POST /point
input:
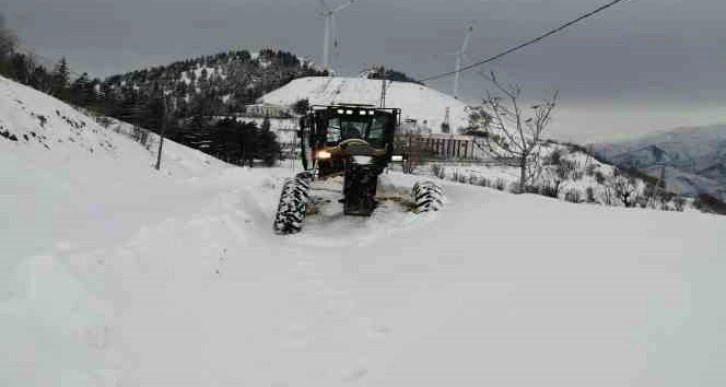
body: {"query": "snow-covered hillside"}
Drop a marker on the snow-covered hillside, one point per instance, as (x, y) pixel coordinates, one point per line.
(427, 106)
(695, 158)
(570, 173)
(114, 274)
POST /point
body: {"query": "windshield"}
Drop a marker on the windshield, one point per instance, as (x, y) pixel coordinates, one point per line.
(372, 129)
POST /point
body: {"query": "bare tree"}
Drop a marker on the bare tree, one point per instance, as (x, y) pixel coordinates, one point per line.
(508, 133)
(625, 188)
(608, 194)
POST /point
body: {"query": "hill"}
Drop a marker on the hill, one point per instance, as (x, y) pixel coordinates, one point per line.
(214, 85)
(694, 158)
(115, 274)
(417, 102)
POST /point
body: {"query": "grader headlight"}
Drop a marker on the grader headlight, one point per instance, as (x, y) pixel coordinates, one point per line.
(323, 155)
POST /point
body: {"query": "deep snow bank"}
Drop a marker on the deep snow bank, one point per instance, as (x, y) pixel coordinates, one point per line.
(69, 185)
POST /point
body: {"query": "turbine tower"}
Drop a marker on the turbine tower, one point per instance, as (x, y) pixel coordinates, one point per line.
(329, 14)
(460, 55)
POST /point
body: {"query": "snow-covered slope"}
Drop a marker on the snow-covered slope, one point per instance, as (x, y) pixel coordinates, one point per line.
(117, 275)
(426, 105)
(69, 185)
(696, 157)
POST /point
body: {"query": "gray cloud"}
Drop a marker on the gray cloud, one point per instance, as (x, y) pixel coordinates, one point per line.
(641, 51)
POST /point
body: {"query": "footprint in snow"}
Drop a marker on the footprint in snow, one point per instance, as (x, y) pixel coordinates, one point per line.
(356, 375)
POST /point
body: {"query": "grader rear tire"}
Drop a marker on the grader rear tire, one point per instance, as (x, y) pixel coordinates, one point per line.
(427, 196)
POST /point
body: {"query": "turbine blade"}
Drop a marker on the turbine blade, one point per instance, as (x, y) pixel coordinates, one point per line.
(342, 6)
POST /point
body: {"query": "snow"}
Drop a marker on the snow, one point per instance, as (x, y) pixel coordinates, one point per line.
(416, 101)
(114, 274)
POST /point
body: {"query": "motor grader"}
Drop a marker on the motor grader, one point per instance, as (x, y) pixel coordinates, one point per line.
(353, 141)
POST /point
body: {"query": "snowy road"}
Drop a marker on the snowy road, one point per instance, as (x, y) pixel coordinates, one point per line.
(496, 289)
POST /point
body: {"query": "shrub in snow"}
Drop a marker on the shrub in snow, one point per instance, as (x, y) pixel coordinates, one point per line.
(668, 201)
(555, 157)
(531, 189)
(599, 177)
(550, 189)
(455, 176)
(679, 203)
(625, 189)
(463, 179)
(500, 184)
(643, 201)
(608, 195)
(573, 195)
(141, 136)
(484, 182)
(568, 169)
(590, 195)
(438, 170)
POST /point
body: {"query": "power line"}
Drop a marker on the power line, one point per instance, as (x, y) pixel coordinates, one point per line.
(525, 44)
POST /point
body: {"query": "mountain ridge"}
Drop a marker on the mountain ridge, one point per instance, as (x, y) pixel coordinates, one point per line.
(695, 156)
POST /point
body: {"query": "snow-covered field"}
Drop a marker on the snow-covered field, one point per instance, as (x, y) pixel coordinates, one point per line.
(114, 274)
(426, 105)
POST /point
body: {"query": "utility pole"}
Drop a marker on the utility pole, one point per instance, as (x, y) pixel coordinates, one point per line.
(163, 130)
(383, 89)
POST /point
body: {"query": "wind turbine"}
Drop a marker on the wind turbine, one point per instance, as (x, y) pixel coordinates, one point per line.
(460, 56)
(329, 14)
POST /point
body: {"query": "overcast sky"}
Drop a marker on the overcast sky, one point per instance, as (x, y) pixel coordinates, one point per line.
(639, 66)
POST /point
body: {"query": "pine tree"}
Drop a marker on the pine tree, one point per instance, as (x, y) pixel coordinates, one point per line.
(248, 142)
(7, 48)
(301, 107)
(268, 149)
(81, 91)
(61, 80)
